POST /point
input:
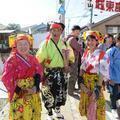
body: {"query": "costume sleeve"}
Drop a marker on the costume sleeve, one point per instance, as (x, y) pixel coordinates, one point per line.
(9, 74)
(39, 68)
(104, 66)
(42, 52)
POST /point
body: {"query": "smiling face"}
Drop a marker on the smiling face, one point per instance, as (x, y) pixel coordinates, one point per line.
(55, 33)
(91, 42)
(76, 33)
(23, 47)
(109, 41)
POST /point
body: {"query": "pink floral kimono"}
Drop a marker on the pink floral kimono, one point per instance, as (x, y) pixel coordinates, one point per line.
(93, 65)
(19, 72)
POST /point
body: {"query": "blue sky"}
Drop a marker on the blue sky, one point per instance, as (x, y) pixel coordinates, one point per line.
(29, 12)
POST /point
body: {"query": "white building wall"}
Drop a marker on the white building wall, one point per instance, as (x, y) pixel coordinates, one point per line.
(38, 38)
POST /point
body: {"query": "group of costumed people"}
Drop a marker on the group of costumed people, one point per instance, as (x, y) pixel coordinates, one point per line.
(23, 73)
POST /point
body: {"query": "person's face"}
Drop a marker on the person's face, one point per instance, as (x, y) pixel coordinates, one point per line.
(109, 41)
(76, 33)
(91, 43)
(23, 47)
(118, 43)
(56, 33)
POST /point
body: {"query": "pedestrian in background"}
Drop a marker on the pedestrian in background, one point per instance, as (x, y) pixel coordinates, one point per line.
(73, 40)
(94, 66)
(114, 71)
(21, 77)
(107, 43)
(52, 54)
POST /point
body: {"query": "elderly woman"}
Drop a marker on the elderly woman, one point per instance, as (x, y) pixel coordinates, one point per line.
(94, 66)
(21, 77)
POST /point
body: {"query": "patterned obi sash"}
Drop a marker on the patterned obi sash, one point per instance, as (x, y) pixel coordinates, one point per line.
(90, 80)
(25, 83)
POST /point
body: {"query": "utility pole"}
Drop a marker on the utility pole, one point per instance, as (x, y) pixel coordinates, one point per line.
(91, 14)
(61, 11)
(90, 6)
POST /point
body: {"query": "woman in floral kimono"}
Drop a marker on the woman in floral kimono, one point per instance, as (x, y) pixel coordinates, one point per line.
(94, 66)
(21, 77)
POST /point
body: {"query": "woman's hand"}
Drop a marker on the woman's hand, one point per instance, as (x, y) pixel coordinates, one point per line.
(31, 90)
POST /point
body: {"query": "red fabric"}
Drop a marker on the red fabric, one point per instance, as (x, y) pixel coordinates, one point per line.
(102, 53)
(55, 25)
(16, 69)
(90, 67)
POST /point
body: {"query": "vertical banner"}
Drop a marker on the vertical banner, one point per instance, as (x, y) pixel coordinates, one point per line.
(107, 5)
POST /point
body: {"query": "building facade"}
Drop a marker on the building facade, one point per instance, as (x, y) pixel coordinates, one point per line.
(109, 25)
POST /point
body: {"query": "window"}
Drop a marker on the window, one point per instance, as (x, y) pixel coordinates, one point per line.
(113, 29)
(119, 29)
(109, 29)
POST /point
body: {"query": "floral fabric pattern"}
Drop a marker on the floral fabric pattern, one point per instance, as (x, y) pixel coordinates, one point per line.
(90, 81)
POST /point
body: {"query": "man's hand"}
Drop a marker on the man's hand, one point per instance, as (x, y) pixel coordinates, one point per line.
(67, 69)
(31, 90)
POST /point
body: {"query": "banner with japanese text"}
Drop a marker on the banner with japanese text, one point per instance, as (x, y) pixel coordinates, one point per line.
(107, 5)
